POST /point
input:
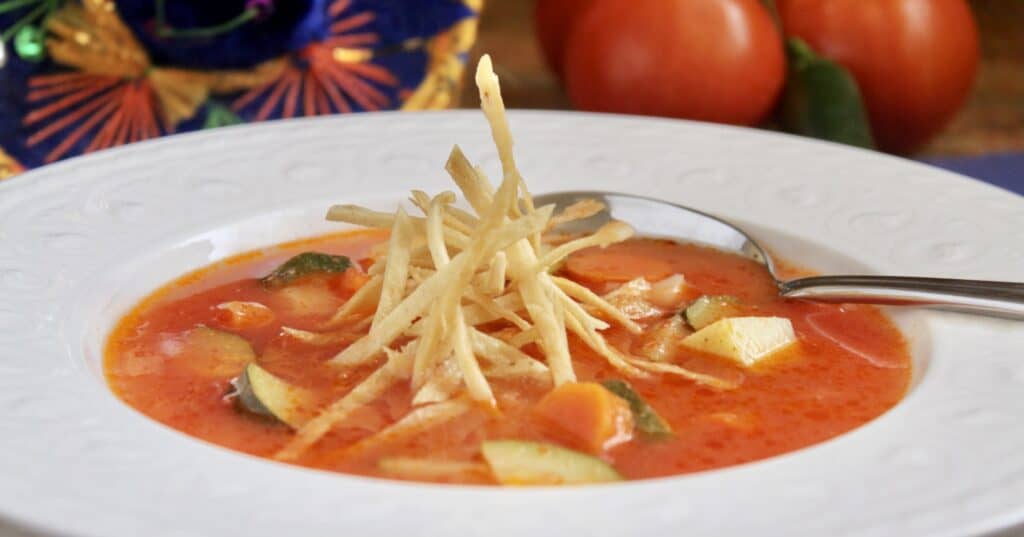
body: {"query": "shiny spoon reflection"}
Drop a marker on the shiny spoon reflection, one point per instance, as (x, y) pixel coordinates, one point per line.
(651, 217)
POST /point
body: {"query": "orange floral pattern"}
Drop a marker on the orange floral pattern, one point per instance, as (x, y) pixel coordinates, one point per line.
(328, 76)
(111, 93)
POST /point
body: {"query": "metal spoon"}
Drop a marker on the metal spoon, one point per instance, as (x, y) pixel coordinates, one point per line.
(657, 218)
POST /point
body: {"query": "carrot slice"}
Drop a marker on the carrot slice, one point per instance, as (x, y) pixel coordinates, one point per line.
(616, 263)
(587, 416)
(243, 315)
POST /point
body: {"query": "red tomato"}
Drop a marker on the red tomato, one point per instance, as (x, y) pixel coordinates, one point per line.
(553, 20)
(914, 60)
(712, 60)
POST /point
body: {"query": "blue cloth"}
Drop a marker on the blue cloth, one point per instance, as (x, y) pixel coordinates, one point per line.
(1003, 170)
(327, 56)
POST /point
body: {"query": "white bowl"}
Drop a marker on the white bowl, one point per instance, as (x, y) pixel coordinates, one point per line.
(82, 241)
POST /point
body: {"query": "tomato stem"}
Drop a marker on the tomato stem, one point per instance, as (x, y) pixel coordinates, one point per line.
(799, 52)
(773, 10)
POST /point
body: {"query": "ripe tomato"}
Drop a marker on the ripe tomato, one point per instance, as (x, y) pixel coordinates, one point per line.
(914, 60)
(712, 60)
(553, 20)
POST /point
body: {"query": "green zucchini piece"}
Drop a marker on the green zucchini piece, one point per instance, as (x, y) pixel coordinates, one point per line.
(710, 308)
(215, 353)
(516, 462)
(260, 392)
(304, 264)
(646, 418)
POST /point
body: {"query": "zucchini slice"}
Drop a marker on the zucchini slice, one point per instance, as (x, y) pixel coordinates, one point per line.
(646, 419)
(710, 308)
(304, 264)
(215, 353)
(260, 392)
(516, 462)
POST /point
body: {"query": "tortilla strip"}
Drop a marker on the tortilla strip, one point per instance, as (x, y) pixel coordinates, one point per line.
(397, 367)
(414, 422)
(396, 271)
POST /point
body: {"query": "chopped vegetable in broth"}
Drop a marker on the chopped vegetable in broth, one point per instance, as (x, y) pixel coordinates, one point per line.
(806, 394)
(485, 346)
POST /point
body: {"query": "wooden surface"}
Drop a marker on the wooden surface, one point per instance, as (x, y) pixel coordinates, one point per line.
(992, 121)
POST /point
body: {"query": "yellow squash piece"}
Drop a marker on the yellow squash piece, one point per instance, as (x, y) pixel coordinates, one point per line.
(710, 308)
(745, 340)
(308, 298)
(516, 462)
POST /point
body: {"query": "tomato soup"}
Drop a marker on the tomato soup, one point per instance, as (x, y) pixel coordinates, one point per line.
(178, 355)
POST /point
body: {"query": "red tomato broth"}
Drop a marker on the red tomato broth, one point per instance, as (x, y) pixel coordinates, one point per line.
(815, 390)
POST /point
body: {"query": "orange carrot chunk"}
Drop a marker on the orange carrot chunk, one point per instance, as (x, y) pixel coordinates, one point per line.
(616, 263)
(241, 315)
(587, 416)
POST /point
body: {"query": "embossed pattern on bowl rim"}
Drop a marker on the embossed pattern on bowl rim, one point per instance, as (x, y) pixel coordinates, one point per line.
(75, 460)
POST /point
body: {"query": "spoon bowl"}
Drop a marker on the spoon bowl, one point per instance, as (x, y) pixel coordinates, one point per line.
(655, 218)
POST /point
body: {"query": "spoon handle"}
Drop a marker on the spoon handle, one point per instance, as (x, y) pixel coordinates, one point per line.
(997, 299)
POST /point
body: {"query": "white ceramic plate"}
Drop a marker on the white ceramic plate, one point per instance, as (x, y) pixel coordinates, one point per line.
(81, 241)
